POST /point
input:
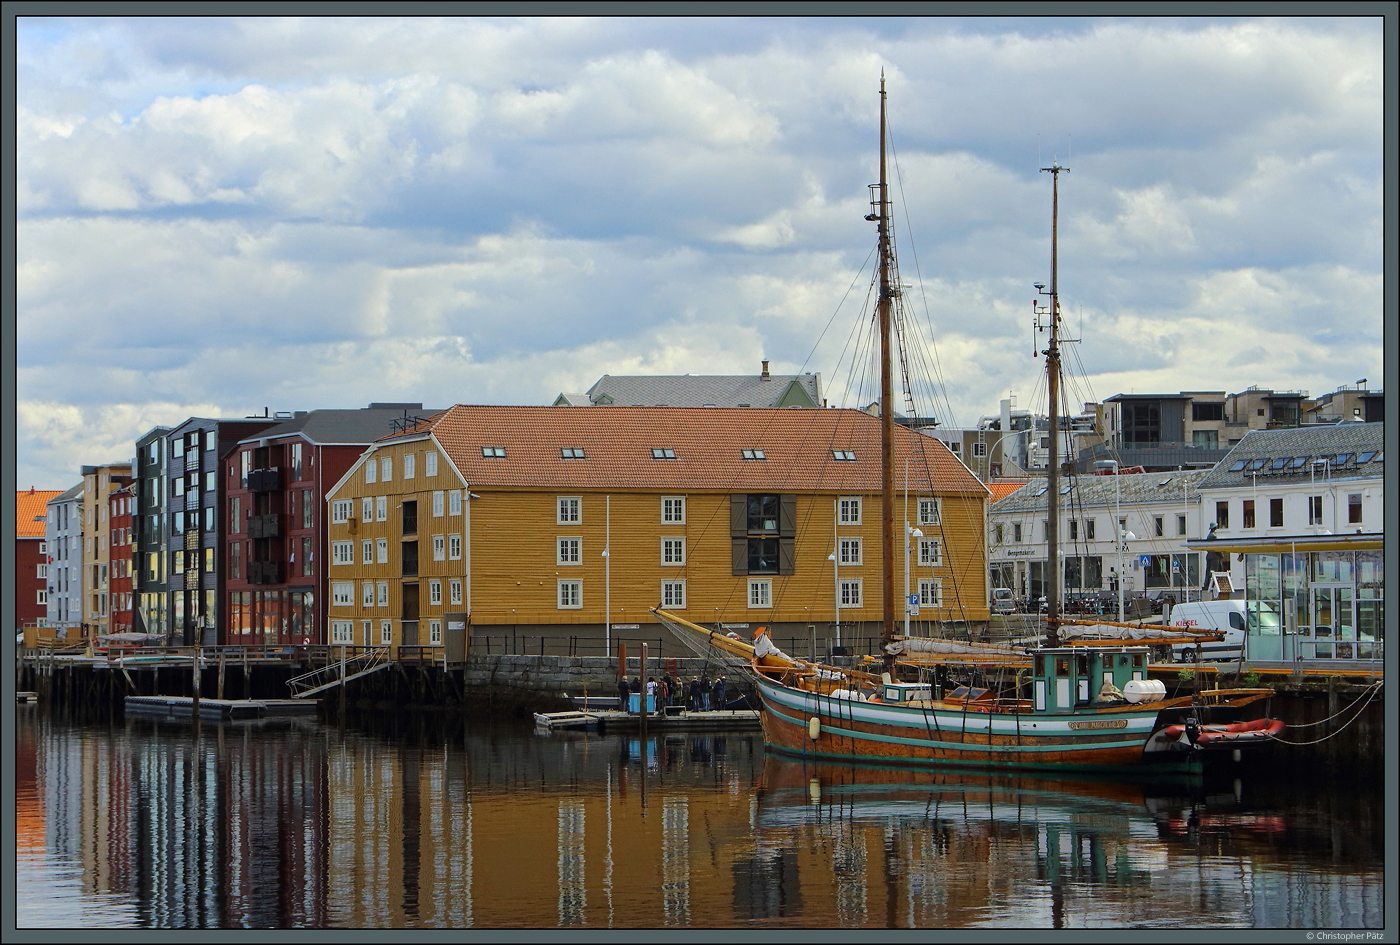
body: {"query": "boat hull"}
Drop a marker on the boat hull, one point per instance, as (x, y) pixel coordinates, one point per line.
(915, 735)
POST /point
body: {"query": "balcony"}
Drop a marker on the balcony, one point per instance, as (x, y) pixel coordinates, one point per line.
(265, 526)
(265, 480)
(265, 572)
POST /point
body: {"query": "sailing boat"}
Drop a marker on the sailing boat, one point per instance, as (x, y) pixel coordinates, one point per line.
(1078, 707)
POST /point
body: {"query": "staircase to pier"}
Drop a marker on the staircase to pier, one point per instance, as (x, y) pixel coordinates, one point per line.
(338, 673)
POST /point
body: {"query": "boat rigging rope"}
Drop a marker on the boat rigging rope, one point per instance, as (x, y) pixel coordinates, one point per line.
(1370, 693)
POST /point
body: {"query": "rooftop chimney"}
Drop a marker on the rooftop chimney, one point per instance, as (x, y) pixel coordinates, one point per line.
(764, 375)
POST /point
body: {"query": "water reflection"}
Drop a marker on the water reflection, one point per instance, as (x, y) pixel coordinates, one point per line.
(388, 823)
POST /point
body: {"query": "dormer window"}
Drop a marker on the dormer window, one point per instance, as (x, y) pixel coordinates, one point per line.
(752, 454)
(661, 452)
(571, 452)
(844, 456)
(493, 452)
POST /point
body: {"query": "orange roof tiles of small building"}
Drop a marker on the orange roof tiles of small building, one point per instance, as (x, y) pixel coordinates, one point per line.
(707, 442)
(1004, 487)
(31, 511)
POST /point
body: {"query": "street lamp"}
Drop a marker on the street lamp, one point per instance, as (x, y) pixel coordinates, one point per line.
(836, 592)
(1121, 536)
(1124, 536)
(909, 534)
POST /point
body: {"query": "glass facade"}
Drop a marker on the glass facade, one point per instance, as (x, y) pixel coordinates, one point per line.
(1332, 602)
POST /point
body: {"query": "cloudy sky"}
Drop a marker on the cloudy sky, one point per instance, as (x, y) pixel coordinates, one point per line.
(217, 215)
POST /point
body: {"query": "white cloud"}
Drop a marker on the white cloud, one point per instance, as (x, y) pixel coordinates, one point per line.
(330, 211)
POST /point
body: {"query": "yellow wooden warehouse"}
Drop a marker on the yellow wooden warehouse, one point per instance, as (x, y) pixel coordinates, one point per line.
(564, 525)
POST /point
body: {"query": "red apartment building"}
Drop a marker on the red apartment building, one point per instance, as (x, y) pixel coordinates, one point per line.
(275, 503)
(32, 557)
(120, 505)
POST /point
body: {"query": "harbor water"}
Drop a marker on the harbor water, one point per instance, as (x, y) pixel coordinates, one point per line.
(387, 822)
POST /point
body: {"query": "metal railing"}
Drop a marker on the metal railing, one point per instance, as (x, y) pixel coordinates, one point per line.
(335, 673)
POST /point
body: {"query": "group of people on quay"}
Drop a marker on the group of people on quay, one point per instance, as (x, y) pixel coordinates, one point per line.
(699, 695)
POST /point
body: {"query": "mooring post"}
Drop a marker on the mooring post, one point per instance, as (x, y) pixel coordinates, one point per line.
(221, 674)
(641, 678)
(194, 663)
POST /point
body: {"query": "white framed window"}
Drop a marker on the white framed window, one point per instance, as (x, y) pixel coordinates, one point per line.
(673, 510)
(381, 547)
(367, 509)
(930, 511)
(844, 456)
(340, 510)
(430, 463)
(41, 571)
(439, 548)
(381, 508)
(454, 502)
(342, 631)
(979, 450)
(41, 597)
(454, 547)
(930, 592)
(437, 504)
(367, 594)
(662, 452)
(382, 592)
(343, 593)
(673, 595)
(408, 465)
(569, 551)
(849, 510)
(850, 551)
(454, 590)
(435, 592)
(760, 592)
(435, 633)
(386, 632)
(366, 551)
(850, 592)
(386, 469)
(570, 510)
(570, 595)
(342, 552)
(371, 467)
(493, 452)
(673, 551)
(930, 551)
(366, 627)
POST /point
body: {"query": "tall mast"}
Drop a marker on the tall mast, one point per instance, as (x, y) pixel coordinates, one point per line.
(886, 394)
(1052, 370)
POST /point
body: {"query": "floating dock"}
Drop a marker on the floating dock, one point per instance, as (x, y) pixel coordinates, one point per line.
(183, 707)
(614, 720)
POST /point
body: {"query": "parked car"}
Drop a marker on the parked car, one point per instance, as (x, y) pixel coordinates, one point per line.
(1002, 601)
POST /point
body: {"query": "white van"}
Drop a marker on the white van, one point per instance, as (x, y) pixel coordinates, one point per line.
(1002, 601)
(1226, 617)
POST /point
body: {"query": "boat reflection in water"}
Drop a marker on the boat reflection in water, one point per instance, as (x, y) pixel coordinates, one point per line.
(930, 848)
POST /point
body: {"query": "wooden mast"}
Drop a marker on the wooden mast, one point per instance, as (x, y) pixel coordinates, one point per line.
(882, 215)
(1052, 370)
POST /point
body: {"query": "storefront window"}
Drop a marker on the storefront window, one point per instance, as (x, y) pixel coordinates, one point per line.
(1332, 566)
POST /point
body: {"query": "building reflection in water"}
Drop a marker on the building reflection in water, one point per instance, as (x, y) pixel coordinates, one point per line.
(298, 824)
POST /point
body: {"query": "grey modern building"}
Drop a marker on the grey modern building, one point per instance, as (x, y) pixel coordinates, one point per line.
(63, 537)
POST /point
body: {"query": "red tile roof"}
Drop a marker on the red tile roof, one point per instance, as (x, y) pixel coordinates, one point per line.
(617, 443)
(31, 511)
(1004, 487)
